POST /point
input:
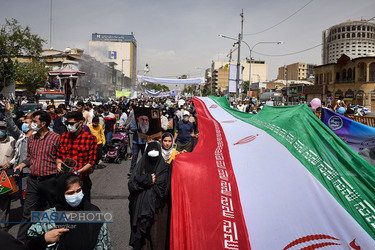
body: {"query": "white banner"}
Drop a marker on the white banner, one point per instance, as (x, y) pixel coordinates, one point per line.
(170, 81)
(233, 78)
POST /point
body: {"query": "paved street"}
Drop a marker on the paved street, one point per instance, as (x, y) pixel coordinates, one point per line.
(109, 193)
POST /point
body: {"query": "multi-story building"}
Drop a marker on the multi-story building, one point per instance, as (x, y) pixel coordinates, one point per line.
(120, 51)
(220, 73)
(296, 71)
(353, 38)
(353, 79)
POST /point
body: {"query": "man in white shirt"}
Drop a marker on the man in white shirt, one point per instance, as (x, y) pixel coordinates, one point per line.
(123, 117)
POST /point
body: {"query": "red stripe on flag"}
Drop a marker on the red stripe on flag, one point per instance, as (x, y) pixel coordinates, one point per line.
(206, 208)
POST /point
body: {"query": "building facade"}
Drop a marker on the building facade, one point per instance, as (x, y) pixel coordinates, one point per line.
(99, 79)
(353, 38)
(220, 73)
(351, 79)
(296, 71)
(120, 51)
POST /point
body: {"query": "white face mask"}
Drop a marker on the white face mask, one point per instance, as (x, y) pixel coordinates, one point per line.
(153, 153)
(72, 128)
(34, 127)
(74, 199)
(186, 118)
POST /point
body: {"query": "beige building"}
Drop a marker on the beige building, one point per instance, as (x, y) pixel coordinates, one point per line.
(296, 71)
(118, 50)
(353, 38)
(351, 79)
(220, 73)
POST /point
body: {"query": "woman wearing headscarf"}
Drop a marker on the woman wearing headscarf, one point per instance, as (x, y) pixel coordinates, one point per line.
(149, 192)
(70, 236)
(167, 150)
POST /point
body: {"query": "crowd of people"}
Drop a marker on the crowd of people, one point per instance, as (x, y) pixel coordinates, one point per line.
(37, 146)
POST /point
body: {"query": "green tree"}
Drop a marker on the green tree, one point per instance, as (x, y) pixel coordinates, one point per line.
(245, 86)
(157, 87)
(33, 75)
(191, 89)
(206, 91)
(16, 41)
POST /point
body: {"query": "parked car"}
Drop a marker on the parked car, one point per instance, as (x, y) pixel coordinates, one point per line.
(362, 110)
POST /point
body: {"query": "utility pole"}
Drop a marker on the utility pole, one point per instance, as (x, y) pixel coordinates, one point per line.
(239, 56)
(50, 27)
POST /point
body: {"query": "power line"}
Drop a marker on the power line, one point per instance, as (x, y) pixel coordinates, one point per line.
(289, 54)
(280, 21)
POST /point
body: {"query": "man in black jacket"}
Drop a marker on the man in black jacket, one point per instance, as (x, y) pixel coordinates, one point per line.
(59, 122)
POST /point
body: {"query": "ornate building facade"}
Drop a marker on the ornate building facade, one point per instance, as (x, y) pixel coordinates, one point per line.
(351, 79)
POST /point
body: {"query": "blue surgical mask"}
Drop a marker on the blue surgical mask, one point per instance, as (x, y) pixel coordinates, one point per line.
(25, 127)
(2, 133)
(74, 199)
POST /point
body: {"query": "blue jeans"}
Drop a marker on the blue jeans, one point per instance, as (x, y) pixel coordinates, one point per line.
(135, 152)
(108, 137)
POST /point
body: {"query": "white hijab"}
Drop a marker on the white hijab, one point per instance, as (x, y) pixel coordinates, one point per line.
(166, 153)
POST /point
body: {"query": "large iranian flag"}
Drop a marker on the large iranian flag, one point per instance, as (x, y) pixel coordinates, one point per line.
(276, 180)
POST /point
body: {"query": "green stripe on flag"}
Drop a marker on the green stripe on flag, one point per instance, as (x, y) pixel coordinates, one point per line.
(344, 173)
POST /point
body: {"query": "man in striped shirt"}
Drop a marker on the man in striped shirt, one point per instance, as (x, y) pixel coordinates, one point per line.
(41, 160)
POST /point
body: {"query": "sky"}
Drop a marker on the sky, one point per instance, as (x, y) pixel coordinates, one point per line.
(181, 37)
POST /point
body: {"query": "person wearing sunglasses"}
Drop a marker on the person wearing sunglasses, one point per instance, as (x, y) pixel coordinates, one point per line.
(80, 146)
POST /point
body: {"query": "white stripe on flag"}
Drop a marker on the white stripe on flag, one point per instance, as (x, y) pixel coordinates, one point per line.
(282, 201)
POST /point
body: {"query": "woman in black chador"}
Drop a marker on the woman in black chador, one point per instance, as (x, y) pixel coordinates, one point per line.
(148, 208)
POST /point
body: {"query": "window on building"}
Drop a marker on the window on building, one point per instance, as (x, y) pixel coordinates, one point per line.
(363, 35)
(358, 27)
(353, 27)
(353, 34)
(339, 29)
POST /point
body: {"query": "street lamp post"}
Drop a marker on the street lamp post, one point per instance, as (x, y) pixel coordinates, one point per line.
(250, 50)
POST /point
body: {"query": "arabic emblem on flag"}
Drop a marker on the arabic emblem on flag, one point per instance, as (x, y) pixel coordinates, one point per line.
(246, 139)
(213, 106)
(335, 122)
(230, 121)
(313, 241)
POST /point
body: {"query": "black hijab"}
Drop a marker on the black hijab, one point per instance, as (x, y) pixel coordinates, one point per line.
(145, 198)
(84, 235)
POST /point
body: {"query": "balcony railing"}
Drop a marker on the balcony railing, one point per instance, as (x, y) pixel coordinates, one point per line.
(344, 81)
(361, 79)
